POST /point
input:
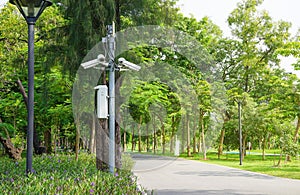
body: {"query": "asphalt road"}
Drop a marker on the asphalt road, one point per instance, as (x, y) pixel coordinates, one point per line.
(165, 175)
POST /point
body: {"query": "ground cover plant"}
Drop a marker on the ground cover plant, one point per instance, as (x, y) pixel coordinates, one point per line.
(62, 174)
(253, 162)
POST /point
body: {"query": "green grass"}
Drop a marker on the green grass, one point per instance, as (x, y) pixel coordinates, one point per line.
(61, 174)
(254, 162)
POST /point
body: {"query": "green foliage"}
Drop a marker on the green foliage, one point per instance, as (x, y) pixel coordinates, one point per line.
(285, 141)
(86, 26)
(147, 94)
(61, 174)
(6, 129)
(148, 12)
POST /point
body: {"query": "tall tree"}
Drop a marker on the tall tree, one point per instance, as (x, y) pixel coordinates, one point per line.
(252, 51)
(13, 45)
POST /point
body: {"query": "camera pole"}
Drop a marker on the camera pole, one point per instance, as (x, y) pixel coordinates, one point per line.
(111, 93)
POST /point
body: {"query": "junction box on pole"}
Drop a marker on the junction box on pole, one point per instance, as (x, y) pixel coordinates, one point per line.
(102, 101)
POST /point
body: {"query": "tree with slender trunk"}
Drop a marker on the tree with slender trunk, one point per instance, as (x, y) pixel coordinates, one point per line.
(188, 140)
(139, 134)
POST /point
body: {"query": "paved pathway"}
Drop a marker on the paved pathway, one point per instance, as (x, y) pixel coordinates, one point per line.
(165, 175)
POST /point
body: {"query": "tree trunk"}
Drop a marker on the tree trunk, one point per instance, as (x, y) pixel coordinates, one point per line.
(139, 134)
(47, 139)
(172, 143)
(118, 15)
(22, 91)
(54, 143)
(102, 144)
(132, 140)
(199, 142)
(182, 138)
(194, 144)
(246, 79)
(264, 149)
(92, 136)
(77, 140)
(188, 135)
(154, 136)
(296, 136)
(147, 138)
(10, 149)
(244, 146)
(220, 149)
(124, 141)
(280, 157)
(124, 136)
(118, 148)
(163, 138)
(118, 152)
(172, 135)
(36, 142)
(203, 141)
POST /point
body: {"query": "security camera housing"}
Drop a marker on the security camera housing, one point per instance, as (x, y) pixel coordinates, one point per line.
(129, 65)
(92, 63)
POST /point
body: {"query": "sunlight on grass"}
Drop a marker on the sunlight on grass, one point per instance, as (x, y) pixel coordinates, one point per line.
(254, 162)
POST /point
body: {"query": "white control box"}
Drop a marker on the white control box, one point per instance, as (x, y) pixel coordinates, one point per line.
(102, 101)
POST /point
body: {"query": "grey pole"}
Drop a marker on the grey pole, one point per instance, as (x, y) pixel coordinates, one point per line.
(30, 114)
(240, 131)
(31, 16)
(111, 45)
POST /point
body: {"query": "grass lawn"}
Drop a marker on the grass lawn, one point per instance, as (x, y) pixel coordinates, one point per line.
(254, 162)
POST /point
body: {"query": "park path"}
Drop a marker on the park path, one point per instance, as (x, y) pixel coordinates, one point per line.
(166, 175)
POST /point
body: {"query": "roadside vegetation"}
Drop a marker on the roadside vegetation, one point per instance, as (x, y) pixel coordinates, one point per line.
(62, 174)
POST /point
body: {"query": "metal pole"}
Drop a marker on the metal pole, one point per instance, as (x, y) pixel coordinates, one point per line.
(240, 131)
(111, 44)
(30, 114)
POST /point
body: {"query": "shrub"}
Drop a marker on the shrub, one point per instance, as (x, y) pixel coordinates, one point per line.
(61, 174)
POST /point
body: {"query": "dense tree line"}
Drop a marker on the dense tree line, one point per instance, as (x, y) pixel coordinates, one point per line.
(154, 117)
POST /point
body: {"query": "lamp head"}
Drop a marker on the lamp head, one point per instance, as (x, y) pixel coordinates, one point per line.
(31, 8)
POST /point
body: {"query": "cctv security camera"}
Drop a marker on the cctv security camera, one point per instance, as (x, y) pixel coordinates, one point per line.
(129, 65)
(121, 60)
(101, 58)
(92, 63)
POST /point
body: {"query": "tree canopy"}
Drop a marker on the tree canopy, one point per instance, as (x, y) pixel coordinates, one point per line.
(248, 65)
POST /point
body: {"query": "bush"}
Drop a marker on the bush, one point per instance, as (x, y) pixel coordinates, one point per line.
(61, 174)
(127, 162)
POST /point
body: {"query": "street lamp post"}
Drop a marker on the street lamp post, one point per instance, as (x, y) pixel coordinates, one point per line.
(240, 132)
(31, 10)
